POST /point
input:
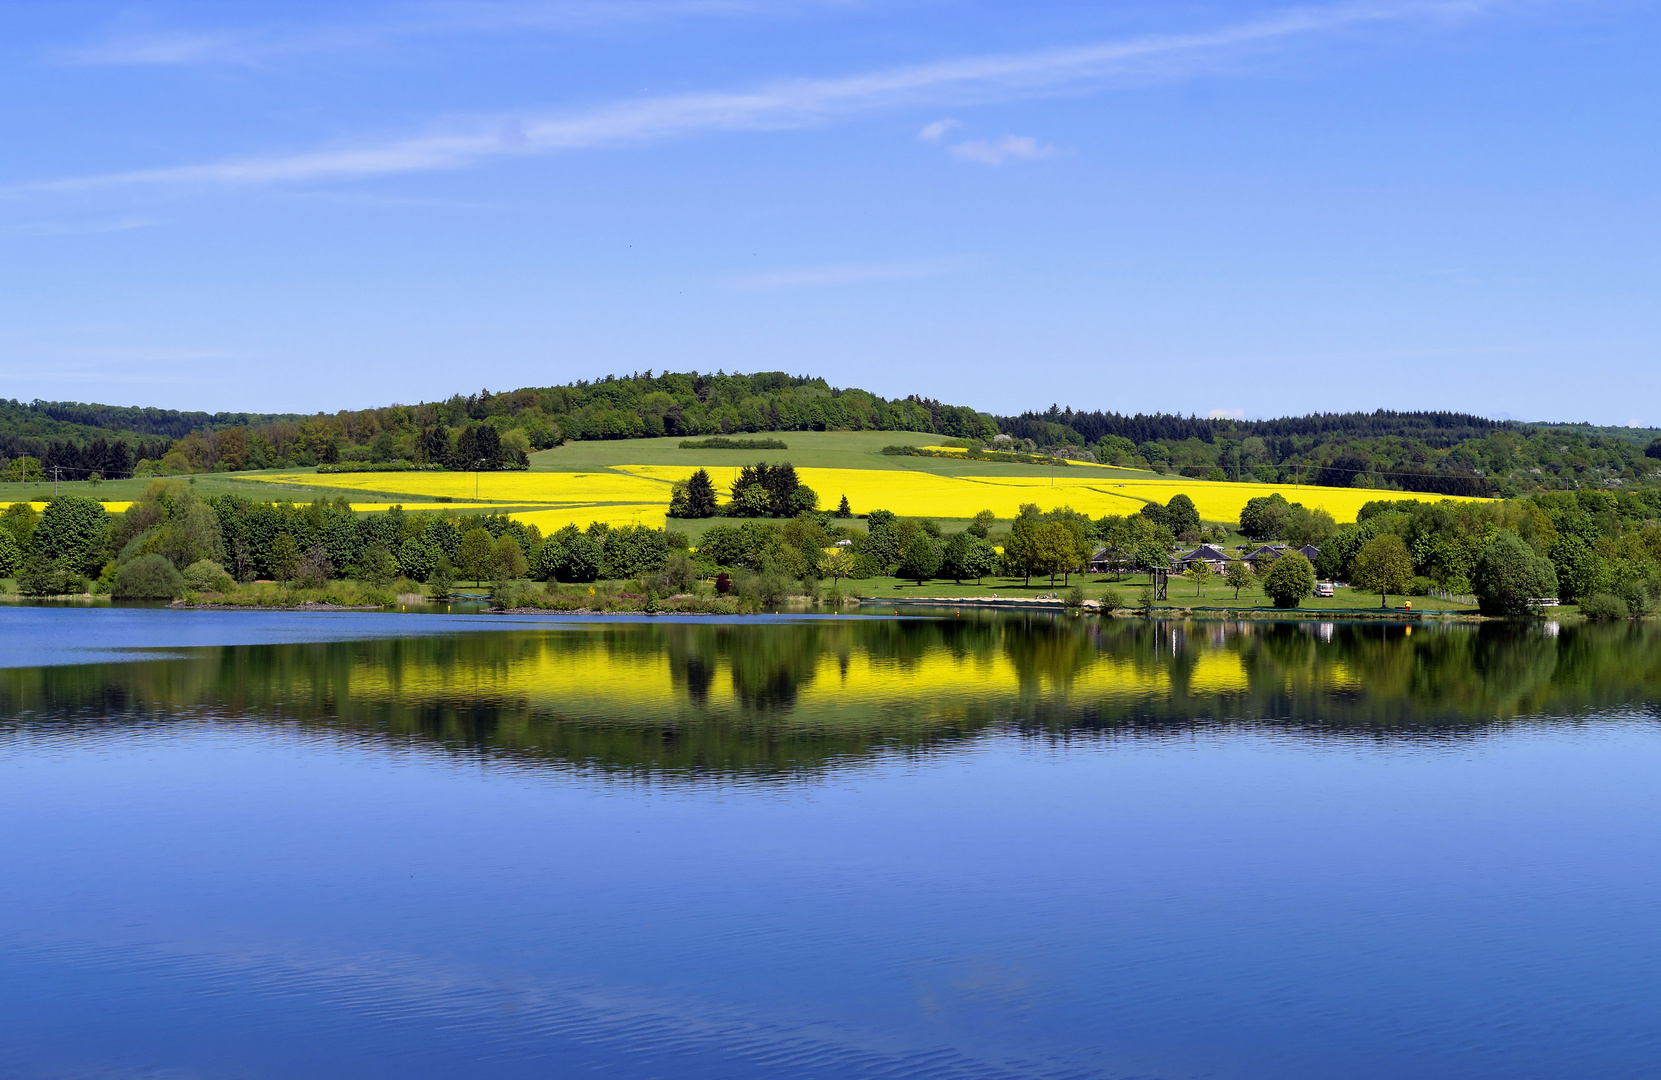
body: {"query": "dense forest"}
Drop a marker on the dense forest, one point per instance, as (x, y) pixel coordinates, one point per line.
(1436, 452)
(1433, 452)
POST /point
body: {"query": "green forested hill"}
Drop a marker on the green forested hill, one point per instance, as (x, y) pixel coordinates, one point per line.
(1436, 452)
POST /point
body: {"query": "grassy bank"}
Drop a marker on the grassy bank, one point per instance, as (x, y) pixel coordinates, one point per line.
(1182, 593)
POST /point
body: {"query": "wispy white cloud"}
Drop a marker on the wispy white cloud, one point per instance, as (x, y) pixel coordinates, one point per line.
(996, 151)
(796, 103)
(1226, 414)
(808, 277)
(938, 130)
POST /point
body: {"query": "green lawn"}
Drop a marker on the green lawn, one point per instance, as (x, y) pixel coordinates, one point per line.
(251, 484)
(1181, 592)
(807, 450)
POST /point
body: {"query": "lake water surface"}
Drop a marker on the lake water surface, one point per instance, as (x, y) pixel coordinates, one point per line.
(242, 844)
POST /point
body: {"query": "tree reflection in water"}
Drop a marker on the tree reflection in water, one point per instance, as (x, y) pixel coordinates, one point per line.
(767, 700)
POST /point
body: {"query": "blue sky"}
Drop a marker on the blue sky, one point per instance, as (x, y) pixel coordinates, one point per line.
(1247, 208)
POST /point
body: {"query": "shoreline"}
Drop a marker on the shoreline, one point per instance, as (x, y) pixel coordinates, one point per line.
(1093, 607)
(875, 606)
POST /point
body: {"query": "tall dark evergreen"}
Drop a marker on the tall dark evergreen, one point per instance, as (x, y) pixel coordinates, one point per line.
(700, 495)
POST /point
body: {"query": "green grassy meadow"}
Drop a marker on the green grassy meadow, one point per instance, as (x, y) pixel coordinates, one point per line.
(1182, 593)
(808, 450)
(249, 484)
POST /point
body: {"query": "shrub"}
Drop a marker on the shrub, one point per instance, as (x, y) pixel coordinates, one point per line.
(315, 570)
(377, 566)
(765, 589)
(677, 575)
(205, 575)
(1289, 580)
(1509, 574)
(571, 556)
(771, 587)
(719, 442)
(723, 583)
(42, 576)
(1602, 606)
(863, 567)
(1636, 584)
(149, 577)
(1111, 601)
(1420, 586)
(441, 579)
(1075, 597)
(633, 551)
(514, 594)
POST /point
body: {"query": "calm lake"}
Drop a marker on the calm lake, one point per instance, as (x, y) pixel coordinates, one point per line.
(245, 844)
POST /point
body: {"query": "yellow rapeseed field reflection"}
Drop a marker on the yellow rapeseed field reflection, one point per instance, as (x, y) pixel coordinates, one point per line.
(589, 678)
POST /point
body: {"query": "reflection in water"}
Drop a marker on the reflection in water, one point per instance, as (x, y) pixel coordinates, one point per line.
(1170, 849)
(694, 697)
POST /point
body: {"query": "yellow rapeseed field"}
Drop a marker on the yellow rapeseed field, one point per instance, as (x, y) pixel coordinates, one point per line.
(503, 487)
(112, 507)
(640, 493)
(932, 495)
(548, 500)
(615, 514)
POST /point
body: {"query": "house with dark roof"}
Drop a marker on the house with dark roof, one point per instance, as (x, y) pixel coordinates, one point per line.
(1268, 553)
(1213, 557)
(1110, 560)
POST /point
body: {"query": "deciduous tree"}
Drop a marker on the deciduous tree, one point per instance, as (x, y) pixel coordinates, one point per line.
(1237, 577)
(1509, 574)
(1289, 580)
(75, 530)
(1383, 566)
(476, 558)
(921, 560)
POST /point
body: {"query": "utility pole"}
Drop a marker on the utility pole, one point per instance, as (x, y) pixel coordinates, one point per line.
(56, 471)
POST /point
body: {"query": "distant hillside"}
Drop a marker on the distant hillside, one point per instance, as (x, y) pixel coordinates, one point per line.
(1640, 436)
(64, 432)
(1436, 452)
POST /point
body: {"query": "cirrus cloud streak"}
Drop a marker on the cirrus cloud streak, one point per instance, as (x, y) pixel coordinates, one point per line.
(793, 104)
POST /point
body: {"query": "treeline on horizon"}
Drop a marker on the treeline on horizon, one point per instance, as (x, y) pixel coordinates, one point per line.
(1442, 453)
